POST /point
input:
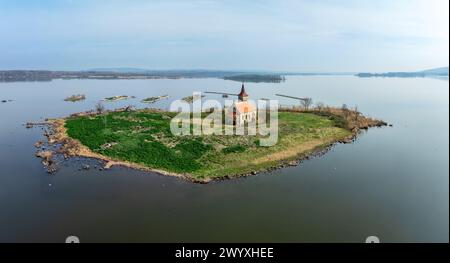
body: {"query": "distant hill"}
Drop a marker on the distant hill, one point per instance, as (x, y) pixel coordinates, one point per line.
(436, 72)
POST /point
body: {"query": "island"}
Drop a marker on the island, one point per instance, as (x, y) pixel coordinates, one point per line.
(154, 99)
(75, 98)
(257, 78)
(141, 139)
(118, 97)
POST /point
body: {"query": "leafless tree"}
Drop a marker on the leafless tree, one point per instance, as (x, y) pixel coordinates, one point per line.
(357, 113)
(320, 106)
(99, 107)
(306, 103)
(345, 110)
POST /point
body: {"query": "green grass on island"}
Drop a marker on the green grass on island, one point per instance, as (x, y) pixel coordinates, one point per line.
(144, 137)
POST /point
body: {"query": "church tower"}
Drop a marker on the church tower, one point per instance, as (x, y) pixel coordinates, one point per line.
(243, 96)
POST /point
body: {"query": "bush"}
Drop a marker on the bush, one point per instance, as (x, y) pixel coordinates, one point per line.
(234, 149)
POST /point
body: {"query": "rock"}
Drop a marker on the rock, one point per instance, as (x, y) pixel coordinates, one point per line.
(44, 154)
(293, 163)
(86, 167)
(39, 144)
(349, 139)
(107, 145)
(52, 169)
(47, 158)
(108, 165)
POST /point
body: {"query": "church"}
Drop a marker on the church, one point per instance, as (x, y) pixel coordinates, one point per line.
(242, 111)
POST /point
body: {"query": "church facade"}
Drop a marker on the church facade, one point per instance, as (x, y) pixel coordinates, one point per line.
(242, 111)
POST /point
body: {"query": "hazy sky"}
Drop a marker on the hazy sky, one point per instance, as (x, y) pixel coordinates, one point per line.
(309, 35)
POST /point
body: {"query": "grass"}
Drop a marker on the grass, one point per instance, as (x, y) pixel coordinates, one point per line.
(144, 137)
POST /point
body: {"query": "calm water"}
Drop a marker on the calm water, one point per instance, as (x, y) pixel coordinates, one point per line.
(392, 182)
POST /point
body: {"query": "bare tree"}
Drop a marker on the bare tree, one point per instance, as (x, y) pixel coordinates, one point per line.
(320, 106)
(99, 107)
(357, 113)
(345, 110)
(306, 103)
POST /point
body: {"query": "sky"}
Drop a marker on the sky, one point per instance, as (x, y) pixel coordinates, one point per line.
(271, 35)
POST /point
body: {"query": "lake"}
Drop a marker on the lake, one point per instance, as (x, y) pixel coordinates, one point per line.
(393, 182)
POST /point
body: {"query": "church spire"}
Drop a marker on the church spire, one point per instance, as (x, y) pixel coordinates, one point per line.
(243, 96)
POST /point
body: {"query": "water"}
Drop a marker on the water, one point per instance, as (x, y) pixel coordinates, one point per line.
(391, 183)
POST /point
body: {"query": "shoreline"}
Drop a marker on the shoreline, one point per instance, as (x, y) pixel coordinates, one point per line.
(68, 147)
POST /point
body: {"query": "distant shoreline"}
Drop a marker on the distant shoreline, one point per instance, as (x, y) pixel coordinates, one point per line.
(239, 76)
(437, 72)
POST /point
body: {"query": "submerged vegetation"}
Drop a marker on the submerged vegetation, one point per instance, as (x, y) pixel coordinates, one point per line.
(154, 99)
(117, 98)
(74, 98)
